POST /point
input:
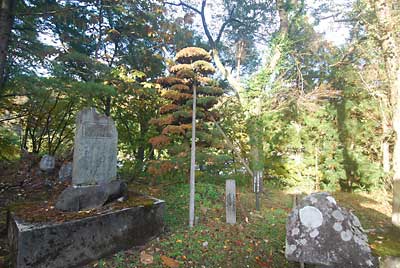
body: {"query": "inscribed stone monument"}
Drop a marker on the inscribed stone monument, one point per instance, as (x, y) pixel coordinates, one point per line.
(77, 241)
(94, 169)
(95, 149)
(320, 232)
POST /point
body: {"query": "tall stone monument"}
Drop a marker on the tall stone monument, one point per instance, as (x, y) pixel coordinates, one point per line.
(95, 149)
(94, 164)
(87, 236)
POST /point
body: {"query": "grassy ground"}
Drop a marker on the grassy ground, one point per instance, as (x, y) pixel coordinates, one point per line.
(257, 240)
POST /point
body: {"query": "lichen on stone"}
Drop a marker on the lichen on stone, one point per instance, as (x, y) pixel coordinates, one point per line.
(314, 233)
(331, 200)
(338, 226)
(338, 215)
(346, 235)
(311, 217)
(295, 231)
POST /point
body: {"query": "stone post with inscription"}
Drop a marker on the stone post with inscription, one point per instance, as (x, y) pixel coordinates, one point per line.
(94, 170)
(95, 149)
(230, 193)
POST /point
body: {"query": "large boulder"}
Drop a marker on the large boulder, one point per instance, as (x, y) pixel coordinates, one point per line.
(320, 232)
(77, 198)
(47, 163)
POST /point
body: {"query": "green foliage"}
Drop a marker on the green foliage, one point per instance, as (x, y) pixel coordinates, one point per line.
(67, 55)
(89, 53)
(9, 142)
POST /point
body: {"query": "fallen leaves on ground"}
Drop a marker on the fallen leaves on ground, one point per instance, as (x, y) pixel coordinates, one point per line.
(169, 262)
(146, 258)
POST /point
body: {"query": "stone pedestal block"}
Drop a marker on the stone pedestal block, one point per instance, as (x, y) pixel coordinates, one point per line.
(78, 242)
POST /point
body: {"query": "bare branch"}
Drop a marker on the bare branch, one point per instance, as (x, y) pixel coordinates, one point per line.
(14, 95)
(52, 12)
(205, 26)
(226, 23)
(232, 147)
(182, 4)
(343, 61)
(12, 118)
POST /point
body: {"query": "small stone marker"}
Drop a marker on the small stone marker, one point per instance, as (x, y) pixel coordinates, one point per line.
(257, 187)
(230, 192)
(47, 163)
(65, 172)
(320, 232)
(95, 149)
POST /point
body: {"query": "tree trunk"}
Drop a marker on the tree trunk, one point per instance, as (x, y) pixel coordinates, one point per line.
(255, 130)
(395, 97)
(385, 156)
(317, 178)
(386, 129)
(234, 149)
(350, 164)
(257, 157)
(7, 9)
(386, 13)
(107, 106)
(24, 139)
(192, 162)
(395, 92)
(385, 146)
(235, 85)
(140, 152)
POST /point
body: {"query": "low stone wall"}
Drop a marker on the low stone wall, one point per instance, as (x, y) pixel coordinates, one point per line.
(77, 242)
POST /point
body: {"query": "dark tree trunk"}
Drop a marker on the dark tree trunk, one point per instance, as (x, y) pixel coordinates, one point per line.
(7, 9)
(350, 165)
(144, 127)
(107, 107)
(140, 152)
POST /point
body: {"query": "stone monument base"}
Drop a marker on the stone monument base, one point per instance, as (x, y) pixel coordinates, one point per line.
(74, 243)
(78, 198)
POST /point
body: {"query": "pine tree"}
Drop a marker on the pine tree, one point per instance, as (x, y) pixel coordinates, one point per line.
(190, 94)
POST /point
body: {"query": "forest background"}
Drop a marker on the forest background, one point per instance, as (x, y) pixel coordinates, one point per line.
(294, 109)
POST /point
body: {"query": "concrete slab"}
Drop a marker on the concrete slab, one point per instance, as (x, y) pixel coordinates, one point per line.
(77, 242)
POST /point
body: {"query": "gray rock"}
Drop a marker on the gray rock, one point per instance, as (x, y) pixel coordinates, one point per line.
(65, 172)
(115, 190)
(320, 232)
(81, 198)
(47, 163)
(95, 149)
(77, 198)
